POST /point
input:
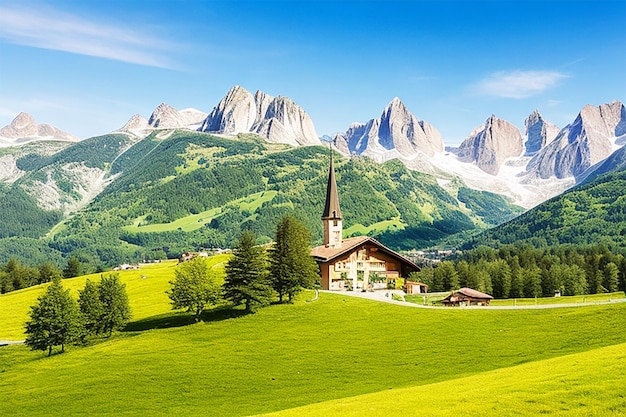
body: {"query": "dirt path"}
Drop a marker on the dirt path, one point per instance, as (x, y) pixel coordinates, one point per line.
(10, 342)
(383, 297)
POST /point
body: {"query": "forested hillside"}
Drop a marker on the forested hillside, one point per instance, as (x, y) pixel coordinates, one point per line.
(193, 190)
(591, 213)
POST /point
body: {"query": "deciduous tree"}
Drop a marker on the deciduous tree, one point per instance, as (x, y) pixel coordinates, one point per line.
(91, 308)
(115, 308)
(194, 287)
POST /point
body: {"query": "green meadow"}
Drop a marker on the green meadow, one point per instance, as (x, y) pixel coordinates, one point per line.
(582, 384)
(338, 355)
(197, 221)
(373, 229)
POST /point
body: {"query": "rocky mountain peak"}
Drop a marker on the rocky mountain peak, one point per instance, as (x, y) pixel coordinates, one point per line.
(278, 119)
(24, 121)
(136, 122)
(164, 116)
(397, 131)
(488, 147)
(24, 129)
(539, 132)
(591, 138)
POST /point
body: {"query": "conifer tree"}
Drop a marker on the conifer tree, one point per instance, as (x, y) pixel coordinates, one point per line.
(115, 308)
(291, 265)
(53, 320)
(47, 272)
(91, 308)
(73, 268)
(446, 276)
(194, 287)
(247, 280)
(611, 274)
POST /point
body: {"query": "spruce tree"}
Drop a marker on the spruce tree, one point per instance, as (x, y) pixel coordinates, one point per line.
(611, 274)
(247, 281)
(291, 265)
(115, 308)
(73, 268)
(54, 320)
(446, 276)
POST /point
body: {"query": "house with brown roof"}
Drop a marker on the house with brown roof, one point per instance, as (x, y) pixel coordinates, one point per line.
(467, 297)
(356, 263)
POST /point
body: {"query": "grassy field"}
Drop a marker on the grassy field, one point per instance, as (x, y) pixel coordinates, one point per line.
(335, 349)
(145, 287)
(197, 221)
(583, 384)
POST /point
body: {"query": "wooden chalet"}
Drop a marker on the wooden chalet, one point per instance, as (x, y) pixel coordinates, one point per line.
(356, 263)
(413, 287)
(467, 297)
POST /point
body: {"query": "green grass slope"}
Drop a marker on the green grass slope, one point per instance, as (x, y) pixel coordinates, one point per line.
(591, 213)
(145, 287)
(284, 356)
(583, 384)
(194, 190)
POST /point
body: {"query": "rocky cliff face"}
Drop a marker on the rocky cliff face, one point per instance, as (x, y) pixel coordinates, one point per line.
(539, 133)
(596, 133)
(278, 119)
(24, 129)
(490, 145)
(167, 117)
(397, 132)
(137, 122)
(164, 117)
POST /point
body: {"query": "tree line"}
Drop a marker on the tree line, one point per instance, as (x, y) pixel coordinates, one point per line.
(515, 271)
(254, 274)
(57, 319)
(14, 275)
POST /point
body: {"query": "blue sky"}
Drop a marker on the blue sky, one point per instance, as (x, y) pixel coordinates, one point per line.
(88, 66)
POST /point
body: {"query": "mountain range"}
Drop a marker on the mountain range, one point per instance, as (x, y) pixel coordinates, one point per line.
(527, 168)
(80, 189)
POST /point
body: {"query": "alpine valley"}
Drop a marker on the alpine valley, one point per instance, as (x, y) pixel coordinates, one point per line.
(182, 180)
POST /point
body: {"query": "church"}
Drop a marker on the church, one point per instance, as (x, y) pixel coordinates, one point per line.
(358, 263)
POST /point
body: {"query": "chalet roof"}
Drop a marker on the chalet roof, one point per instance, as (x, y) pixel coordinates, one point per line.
(326, 254)
(468, 292)
(331, 209)
(407, 282)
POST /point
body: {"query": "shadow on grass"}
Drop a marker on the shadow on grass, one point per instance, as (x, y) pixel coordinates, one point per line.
(180, 319)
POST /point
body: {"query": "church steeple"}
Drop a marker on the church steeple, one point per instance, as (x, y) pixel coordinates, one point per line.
(331, 218)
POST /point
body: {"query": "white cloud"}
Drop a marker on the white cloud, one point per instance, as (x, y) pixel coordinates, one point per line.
(48, 28)
(517, 84)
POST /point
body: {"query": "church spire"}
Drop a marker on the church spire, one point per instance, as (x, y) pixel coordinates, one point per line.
(331, 217)
(331, 209)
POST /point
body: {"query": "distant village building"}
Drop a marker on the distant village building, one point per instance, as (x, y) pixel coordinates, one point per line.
(357, 263)
(187, 256)
(126, 267)
(467, 297)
